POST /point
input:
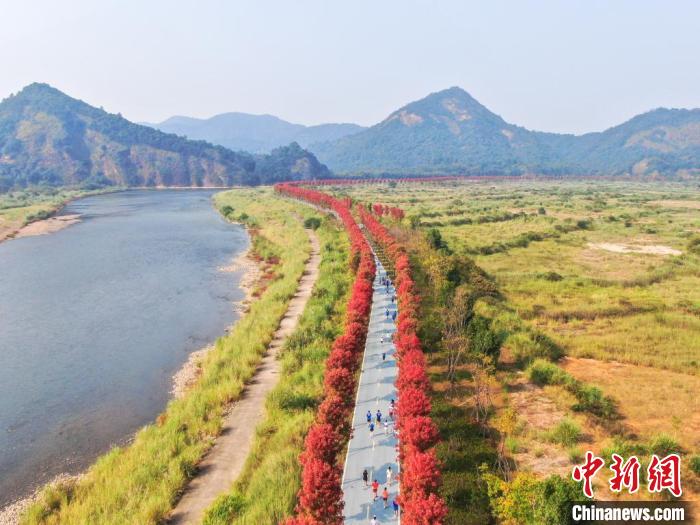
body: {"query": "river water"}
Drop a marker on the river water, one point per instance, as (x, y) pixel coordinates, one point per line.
(96, 318)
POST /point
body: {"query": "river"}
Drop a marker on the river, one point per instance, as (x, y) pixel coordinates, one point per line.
(96, 318)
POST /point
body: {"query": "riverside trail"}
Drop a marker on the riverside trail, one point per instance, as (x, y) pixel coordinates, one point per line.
(224, 462)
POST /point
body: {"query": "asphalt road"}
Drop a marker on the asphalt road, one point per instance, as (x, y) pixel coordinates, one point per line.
(376, 390)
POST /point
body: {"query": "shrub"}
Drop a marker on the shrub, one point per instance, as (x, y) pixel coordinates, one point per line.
(512, 445)
(566, 433)
(694, 463)
(543, 372)
(529, 501)
(312, 223)
(663, 445)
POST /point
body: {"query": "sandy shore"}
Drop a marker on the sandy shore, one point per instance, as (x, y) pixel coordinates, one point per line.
(46, 226)
(10, 514)
(187, 376)
(42, 227)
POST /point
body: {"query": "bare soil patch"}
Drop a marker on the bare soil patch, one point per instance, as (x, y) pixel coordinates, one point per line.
(694, 205)
(46, 226)
(650, 249)
(540, 414)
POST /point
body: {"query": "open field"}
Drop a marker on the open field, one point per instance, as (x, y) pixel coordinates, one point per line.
(640, 308)
(607, 273)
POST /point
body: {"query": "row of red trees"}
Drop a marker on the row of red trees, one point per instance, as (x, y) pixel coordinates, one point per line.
(321, 498)
(418, 434)
(385, 209)
(385, 180)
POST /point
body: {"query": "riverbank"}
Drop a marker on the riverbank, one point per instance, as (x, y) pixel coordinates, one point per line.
(81, 457)
(138, 482)
(38, 213)
(223, 464)
(187, 376)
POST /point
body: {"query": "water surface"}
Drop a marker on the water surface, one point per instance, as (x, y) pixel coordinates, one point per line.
(96, 318)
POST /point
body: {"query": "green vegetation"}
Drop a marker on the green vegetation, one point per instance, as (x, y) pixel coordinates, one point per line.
(48, 138)
(567, 433)
(140, 482)
(449, 132)
(590, 398)
(528, 500)
(605, 280)
(267, 488)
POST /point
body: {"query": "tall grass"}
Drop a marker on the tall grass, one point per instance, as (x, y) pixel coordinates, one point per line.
(267, 488)
(139, 483)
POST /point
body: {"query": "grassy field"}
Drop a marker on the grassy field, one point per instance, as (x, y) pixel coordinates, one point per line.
(139, 483)
(267, 488)
(607, 273)
(640, 308)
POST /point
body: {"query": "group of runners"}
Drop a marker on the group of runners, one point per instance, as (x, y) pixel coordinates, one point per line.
(385, 492)
(377, 420)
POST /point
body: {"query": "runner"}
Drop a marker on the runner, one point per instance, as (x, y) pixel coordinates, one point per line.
(365, 477)
(383, 356)
(375, 489)
(371, 430)
(396, 508)
(369, 416)
(379, 416)
(385, 497)
(374, 521)
(389, 475)
(386, 427)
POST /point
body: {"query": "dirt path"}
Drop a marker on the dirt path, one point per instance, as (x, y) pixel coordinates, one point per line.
(224, 462)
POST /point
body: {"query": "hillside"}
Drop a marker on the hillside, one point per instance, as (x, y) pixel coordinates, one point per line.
(255, 133)
(49, 138)
(450, 132)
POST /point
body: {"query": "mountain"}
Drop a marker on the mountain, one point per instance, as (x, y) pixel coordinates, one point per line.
(47, 137)
(450, 132)
(256, 133)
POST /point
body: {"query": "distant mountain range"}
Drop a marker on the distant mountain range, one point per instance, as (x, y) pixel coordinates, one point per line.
(449, 132)
(254, 133)
(49, 138)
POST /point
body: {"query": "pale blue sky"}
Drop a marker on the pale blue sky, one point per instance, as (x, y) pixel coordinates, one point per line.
(568, 66)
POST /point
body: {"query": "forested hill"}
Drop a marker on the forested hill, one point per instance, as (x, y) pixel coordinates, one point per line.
(254, 133)
(450, 132)
(49, 138)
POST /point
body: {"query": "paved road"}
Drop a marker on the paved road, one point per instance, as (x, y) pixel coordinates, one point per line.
(375, 391)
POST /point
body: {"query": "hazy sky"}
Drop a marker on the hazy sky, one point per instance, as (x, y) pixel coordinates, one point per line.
(569, 66)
